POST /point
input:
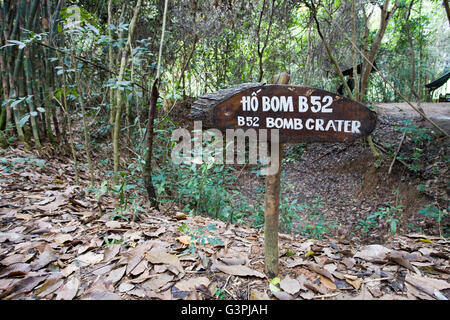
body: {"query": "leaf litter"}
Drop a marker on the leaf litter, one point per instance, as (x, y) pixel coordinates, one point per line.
(55, 243)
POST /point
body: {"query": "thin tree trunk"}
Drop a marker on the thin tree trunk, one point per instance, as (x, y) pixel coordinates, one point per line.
(5, 116)
(261, 49)
(13, 77)
(413, 60)
(330, 54)
(354, 56)
(33, 114)
(65, 108)
(447, 9)
(366, 69)
(119, 95)
(85, 126)
(48, 76)
(147, 172)
(375, 153)
(111, 66)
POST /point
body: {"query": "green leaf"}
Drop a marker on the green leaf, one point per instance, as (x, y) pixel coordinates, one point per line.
(394, 227)
(273, 283)
(17, 102)
(24, 120)
(19, 43)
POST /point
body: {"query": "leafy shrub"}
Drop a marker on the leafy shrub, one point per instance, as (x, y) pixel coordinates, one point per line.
(437, 215)
(389, 213)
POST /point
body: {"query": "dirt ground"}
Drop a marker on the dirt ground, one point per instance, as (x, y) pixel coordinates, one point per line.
(351, 185)
(433, 110)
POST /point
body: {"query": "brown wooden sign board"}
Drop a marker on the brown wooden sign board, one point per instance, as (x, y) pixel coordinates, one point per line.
(302, 114)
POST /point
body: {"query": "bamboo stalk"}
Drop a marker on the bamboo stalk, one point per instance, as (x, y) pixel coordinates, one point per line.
(47, 73)
(29, 81)
(85, 127)
(111, 66)
(65, 108)
(13, 76)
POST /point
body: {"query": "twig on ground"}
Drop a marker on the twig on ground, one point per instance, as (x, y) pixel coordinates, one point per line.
(396, 152)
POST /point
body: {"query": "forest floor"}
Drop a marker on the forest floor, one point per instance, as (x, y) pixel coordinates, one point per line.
(59, 242)
(345, 184)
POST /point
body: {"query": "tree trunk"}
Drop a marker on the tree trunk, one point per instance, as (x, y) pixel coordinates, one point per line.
(354, 56)
(375, 153)
(413, 60)
(65, 107)
(147, 172)
(111, 67)
(366, 69)
(447, 9)
(119, 95)
(33, 114)
(85, 127)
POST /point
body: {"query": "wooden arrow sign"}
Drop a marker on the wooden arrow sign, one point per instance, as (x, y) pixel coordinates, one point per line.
(302, 114)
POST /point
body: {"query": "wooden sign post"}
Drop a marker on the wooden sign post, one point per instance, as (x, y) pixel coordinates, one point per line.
(272, 205)
(299, 114)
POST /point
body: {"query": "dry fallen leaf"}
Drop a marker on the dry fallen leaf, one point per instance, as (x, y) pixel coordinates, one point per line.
(398, 257)
(157, 282)
(354, 281)
(10, 236)
(318, 269)
(291, 286)
(90, 258)
(69, 290)
(256, 295)
(327, 283)
(62, 238)
(49, 286)
(115, 275)
(125, 286)
(140, 267)
(283, 295)
(112, 224)
(12, 259)
(159, 255)
(186, 240)
(373, 253)
(239, 270)
(15, 270)
(49, 255)
(22, 286)
(180, 216)
(110, 252)
(428, 285)
(191, 284)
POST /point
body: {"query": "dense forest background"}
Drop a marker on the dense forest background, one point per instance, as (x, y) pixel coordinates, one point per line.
(77, 76)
